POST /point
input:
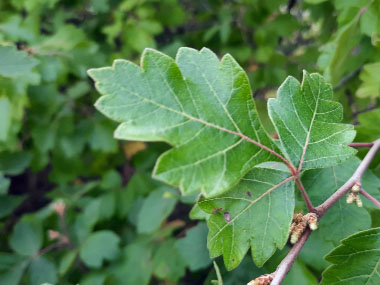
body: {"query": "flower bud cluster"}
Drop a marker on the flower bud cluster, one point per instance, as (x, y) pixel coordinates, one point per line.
(354, 197)
(300, 223)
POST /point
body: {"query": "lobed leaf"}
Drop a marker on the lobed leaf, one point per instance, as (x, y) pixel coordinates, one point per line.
(356, 260)
(307, 122)
(201, 106)
(255, 213)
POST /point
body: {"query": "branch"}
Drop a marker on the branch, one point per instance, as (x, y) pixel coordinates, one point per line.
(285, 265)
(356, 177)
(369, 197)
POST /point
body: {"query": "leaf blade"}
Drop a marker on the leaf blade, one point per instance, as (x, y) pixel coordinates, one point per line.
(196, 112)
(306, 120)
(253, 196)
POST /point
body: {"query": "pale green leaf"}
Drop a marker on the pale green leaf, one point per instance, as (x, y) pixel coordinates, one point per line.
(370, 86)
(356, 261)
(335, 54)
(99, 246)
(202, 106)
(369, 127)
(14, 63)
(256, 213)
(307, 122)
(155, 209)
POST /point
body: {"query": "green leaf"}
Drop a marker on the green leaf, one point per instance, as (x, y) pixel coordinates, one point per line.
(26, 238)
(356, 260)
(5, 117)
(4, 185)
(167, 263)
(369, 76)
(99, 246)
(335, 54)
(66, 262)
(342, 219)
(136, 266)
(155, 209)
(198, 104)
(256, 213)
(94, 278)
(369, 128)
(14, 163)
(8, 203)
(11, 268)
(307, 122)
(14, 63)
(41, 271)
(193, 247)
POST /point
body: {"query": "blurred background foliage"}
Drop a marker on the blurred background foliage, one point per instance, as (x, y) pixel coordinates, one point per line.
(76, 206)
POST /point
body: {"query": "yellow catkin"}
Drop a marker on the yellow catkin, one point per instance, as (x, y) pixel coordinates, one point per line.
(312, 220)
(297, 232)
(351, 197)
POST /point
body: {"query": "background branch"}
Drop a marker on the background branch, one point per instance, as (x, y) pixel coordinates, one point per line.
(369, 197)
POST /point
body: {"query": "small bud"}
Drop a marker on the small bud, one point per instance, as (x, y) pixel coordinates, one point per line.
(53, 234)
(312, 220)
(265, 279)
(351, 197)
(359, 202)
(59, 207)
(297, 218)
(356, 187)
(297, 232)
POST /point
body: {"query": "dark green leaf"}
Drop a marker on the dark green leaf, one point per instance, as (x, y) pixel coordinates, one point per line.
(193, 247)
(356, 260)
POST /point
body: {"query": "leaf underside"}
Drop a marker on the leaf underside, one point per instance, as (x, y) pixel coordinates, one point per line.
(255, 213)
(307, 122)
(201, 106)
(356, 261)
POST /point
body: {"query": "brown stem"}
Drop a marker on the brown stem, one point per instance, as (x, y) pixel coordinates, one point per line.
(309, 205)
(369, 197)
(285, 265)
(361, 144)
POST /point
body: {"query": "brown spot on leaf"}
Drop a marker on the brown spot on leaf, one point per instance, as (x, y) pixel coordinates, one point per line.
(249, 194)
(227, 217)
(216, 210)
